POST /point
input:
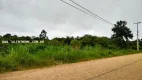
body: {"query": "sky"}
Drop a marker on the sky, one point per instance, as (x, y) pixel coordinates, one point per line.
(30, 17)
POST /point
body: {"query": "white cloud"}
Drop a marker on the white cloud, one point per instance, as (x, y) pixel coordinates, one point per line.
(29, 17)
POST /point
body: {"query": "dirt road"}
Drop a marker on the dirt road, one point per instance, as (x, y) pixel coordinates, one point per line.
(116, 68)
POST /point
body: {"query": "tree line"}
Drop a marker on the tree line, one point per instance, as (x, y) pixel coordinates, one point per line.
(121, 38)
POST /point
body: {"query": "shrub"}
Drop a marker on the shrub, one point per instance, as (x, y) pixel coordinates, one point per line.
(23, 56)
(76, 44)
(54, 43)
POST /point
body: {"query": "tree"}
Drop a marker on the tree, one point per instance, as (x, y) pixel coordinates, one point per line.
(14, 37)
(68, 40)
(61, 40)
(28, 38)
(22, 38)
(76, 44)
(54, 42)
(87, 40)
(103, 41)
(122, 34)
(43, 34)
(7, 35)
(36, 38)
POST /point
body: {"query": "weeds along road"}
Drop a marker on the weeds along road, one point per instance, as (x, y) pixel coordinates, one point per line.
(117, 68)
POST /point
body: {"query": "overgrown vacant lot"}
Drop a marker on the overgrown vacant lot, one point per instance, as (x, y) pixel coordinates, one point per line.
(24, 56)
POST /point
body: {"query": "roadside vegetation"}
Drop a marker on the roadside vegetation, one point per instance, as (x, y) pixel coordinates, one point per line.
(15, 57)
(24, 56)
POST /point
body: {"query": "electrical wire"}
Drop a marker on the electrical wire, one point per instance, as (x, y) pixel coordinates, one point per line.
(93, 15)
(91, 12)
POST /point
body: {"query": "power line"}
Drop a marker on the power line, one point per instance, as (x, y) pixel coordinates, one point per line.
(91, 12)
(77, 8)
(86, 12)
(115, 3)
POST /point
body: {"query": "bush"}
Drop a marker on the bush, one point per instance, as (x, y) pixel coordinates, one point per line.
(76, 44)
(54, 43)
(23, 56)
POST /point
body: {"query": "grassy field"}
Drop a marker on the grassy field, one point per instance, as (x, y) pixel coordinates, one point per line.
(25, 56)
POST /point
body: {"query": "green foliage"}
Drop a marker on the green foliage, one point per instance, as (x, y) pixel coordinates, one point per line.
(24, 56)
(64, 50)
(122, 34)
(3, 49)
(87, 40)
(76, 44)
(104, 41)
(54, 43)
(61, 40)
(68, 40)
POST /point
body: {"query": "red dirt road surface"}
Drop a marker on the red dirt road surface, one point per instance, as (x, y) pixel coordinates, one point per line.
(117, 68)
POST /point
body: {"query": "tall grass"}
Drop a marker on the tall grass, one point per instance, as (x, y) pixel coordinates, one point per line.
(19, 57)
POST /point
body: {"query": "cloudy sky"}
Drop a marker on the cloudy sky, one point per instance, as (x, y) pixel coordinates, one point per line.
(29, 17)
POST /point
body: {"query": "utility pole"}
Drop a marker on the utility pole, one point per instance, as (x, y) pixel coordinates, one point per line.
(137, 35)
